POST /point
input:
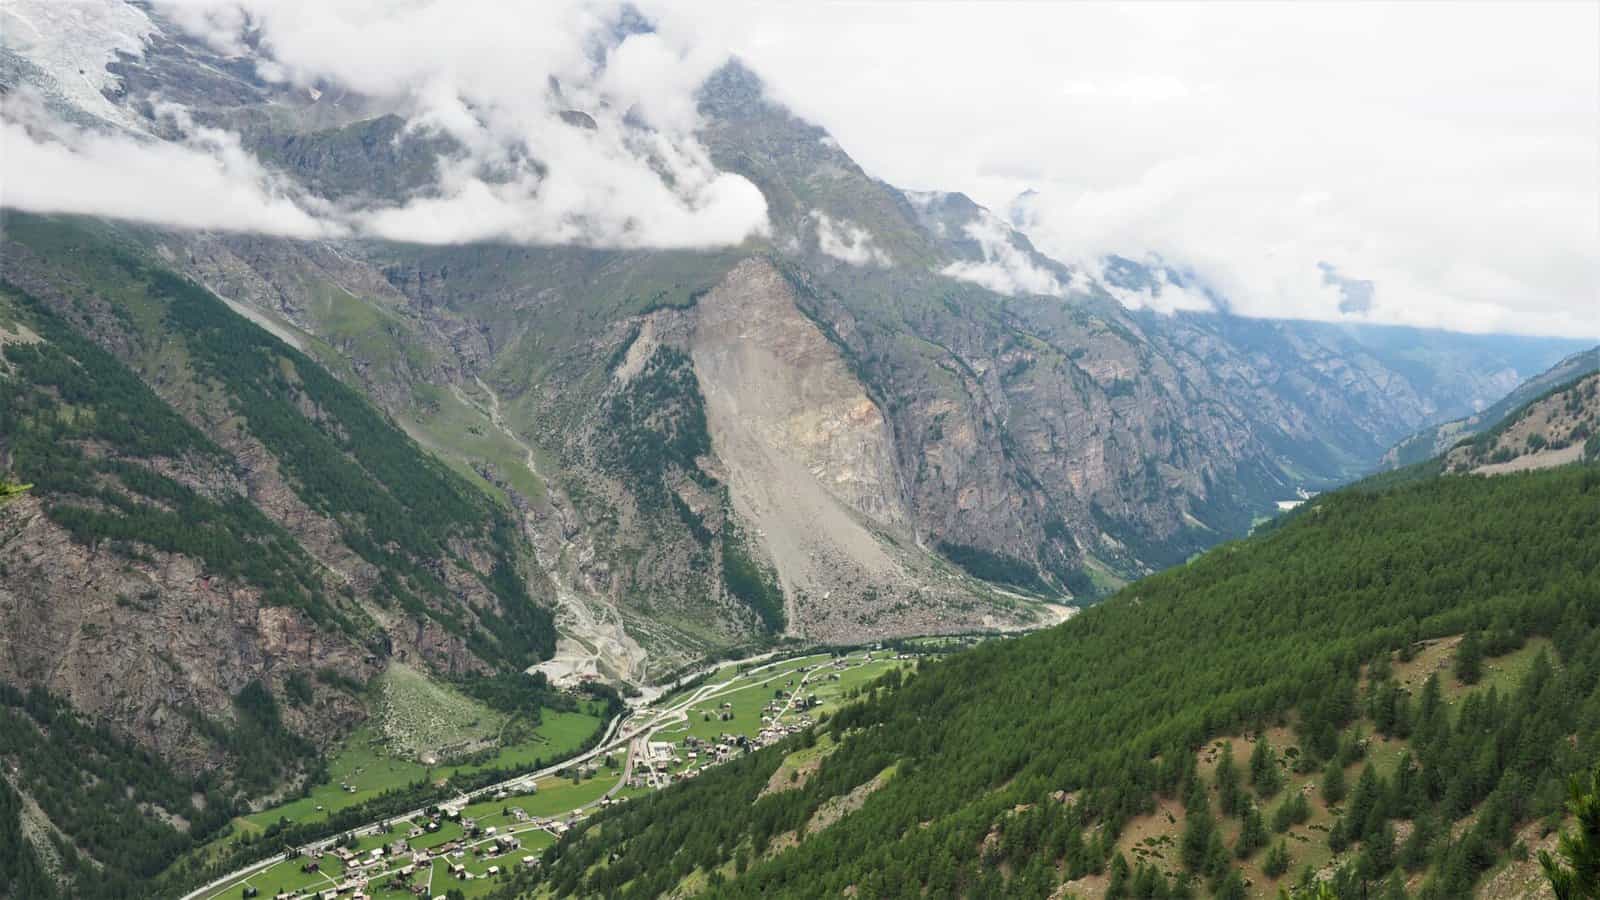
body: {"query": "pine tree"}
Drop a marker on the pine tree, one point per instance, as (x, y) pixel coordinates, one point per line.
(1277, 861)
(1227, 782)
(1364, 801)
(1253, 836)
(1294, 810)
(1117, 887)
(1469, 658)
(1232, 887)
(1333, 783)
(1338, 835)
(1264, 773)
(1197, 833)
(1575, 875)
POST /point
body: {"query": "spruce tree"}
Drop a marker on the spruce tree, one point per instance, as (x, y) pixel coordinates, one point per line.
(1227, 782)
(1264, 773)
(1333, 783)
(1574, 870)
(1253, 836)
(1469, 658)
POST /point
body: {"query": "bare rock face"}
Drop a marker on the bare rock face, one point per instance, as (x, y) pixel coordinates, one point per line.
(147, 643)
(772, 379)
(811, 467)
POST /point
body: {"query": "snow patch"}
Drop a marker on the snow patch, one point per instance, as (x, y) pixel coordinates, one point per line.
(72, 41)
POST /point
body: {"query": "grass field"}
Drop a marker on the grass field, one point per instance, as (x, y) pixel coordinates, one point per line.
(364, 763)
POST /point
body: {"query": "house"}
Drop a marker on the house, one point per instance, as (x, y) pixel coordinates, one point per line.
(492, 870)
(530, 861)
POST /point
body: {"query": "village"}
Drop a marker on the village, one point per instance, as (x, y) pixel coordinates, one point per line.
(473, 843)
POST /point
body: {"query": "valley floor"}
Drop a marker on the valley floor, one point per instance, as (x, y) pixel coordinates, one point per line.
(494, 830)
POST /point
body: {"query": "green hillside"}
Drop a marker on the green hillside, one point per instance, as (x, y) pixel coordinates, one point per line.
(210, 550)
(1010, 769)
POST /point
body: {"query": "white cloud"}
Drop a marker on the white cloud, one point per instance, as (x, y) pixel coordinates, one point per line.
(494, 77)
(1449, 156)
(1165, 297)
(205, 181)
(844, 240)
(1006, 268)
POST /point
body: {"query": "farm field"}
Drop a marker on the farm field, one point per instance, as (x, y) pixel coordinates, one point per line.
(367, 769)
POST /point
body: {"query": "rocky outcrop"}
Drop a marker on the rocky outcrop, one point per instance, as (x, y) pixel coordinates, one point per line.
(148, 643)
(812, 468)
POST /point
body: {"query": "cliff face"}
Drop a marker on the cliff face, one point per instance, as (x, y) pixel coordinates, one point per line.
(146, 641)
(812, 467)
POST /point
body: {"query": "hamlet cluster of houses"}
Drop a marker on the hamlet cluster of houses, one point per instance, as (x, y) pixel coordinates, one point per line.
(397, 865)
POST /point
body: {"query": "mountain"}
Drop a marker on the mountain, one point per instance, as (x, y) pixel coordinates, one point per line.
(1554, 429)
(1435, 439)
(1319, 700)
(220, 547)
(978, 427)
(262, 498)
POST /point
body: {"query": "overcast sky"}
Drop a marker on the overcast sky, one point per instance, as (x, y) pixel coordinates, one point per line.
(1449, 153)
(1441, 161)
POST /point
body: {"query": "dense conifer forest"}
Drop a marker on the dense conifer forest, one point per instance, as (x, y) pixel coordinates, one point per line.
(1008, 769)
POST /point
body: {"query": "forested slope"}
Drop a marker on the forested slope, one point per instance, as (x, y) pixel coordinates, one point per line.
(220, 547)
(1017, 766)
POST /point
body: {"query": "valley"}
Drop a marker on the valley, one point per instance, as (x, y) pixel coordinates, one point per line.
(455, 449)
(718, 715)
